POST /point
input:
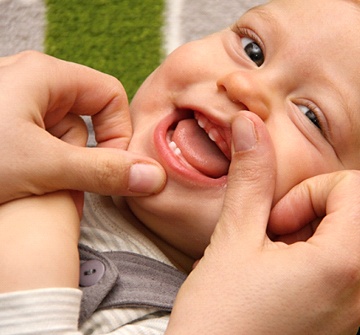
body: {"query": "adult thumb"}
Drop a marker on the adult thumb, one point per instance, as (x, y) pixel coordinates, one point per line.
(54, 165)
(251, 180)
(110, 172)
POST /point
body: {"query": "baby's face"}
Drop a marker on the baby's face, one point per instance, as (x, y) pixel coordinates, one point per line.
(294, 63)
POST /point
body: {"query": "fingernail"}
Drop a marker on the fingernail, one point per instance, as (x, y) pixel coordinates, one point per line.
(145, 178)
(244, 136)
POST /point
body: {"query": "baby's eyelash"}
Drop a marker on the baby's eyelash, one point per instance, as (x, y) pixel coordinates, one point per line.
(313, 114)
(245, 32)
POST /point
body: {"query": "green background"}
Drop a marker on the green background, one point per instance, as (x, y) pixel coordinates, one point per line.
(120, 37)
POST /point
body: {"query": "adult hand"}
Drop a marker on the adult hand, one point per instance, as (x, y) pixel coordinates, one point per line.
(248, 284)
(40, 103)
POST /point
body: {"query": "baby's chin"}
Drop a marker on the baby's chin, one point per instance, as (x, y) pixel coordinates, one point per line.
(184, 233)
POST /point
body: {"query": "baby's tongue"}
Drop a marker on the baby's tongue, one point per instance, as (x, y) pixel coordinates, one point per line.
(199, 151)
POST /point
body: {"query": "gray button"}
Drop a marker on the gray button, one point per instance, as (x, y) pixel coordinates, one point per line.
(91, 272)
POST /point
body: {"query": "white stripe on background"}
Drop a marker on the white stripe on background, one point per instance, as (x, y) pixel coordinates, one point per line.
(172, 29)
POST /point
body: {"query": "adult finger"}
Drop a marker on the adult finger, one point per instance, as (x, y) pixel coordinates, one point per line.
(110, 172)
(62, 87)
(240, 231)
(251, 181)
(71, 129)
(322, 197)
(41, 92)
(65, 166)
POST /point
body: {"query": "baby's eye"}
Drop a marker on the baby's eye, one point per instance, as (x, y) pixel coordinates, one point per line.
(310, 115)
(253, 50)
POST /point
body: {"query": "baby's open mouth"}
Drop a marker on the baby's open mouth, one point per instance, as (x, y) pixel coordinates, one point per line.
(201, 144)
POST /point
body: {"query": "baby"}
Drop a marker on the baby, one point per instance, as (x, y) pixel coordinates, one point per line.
(303, 91)
(288, 62)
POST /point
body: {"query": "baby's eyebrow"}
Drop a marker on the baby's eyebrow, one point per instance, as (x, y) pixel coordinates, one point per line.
(264, 13)
(266, 16)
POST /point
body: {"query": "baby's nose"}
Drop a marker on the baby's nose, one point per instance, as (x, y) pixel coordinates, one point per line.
(247, 90)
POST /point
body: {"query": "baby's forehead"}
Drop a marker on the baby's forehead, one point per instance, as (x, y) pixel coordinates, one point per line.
(310, 25)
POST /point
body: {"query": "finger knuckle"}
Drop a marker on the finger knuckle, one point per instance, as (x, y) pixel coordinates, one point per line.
(350, 272)
(347, 186)
(117, 92)
(113, 87)
(31, 57)
(344, 273)
(349, 177)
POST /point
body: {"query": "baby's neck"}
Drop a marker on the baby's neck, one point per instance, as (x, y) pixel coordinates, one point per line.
(178, 258)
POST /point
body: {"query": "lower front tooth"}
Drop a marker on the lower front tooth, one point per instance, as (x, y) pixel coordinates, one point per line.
(174, 148)
(172, 145)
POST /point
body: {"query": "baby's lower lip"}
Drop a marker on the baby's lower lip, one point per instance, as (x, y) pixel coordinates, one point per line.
(179, 168)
